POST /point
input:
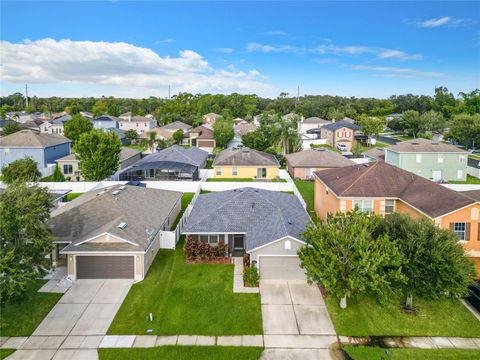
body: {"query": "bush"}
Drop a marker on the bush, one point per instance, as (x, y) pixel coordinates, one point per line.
(195, 249)
(250, 275)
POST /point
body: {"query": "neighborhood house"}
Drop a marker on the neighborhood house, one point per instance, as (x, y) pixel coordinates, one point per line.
(340, 134)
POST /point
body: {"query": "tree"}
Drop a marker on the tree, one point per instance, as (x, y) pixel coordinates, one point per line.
(434, 263)
(151, 141)
(100, 108)
(432, 121)
(98, 153)
(223, 132)
(24, 170)
(346, 260)
(255, 140)
(11, 128)
(25, 239)
(371, 126)
(77, 126)
(465, 129)
(178, 136)
(131, 135)
(411, 122)
(57, 175)
(356, 149)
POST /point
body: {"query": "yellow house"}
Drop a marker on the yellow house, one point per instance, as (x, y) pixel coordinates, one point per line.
(245, 163)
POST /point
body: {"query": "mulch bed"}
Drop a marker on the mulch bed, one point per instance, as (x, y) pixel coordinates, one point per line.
(223, 260)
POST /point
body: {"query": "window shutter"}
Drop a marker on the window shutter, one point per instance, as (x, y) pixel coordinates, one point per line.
(467, 231)
(451, 226)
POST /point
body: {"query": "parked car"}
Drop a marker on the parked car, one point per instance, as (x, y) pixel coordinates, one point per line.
(342, 147)
(474, 298)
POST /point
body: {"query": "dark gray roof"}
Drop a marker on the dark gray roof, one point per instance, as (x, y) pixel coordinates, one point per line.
(61, 120)
(193, 156)
(339, 124)
(245, 157)
(177, 125)
(315, 120)
(472, 162)
(106, 118)
(264, 216)
(101, 211)
(119, 132)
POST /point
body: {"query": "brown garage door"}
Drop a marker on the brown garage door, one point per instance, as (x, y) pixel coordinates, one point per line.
(281, 268)
(105, 267)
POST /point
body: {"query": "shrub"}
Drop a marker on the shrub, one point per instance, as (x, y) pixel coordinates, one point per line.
(250, 275)
(195, 249)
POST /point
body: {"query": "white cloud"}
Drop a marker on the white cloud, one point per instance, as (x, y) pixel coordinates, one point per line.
(225, 50)
(442, 21)
(275, 33)
(392, 71)
(352, 50)
(49, 61)
(165, 41)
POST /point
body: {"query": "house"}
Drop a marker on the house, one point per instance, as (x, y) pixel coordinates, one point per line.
(396, 116)
(140, 124)
(105, 122)
(238, 120)
(473, 166)
(70, 166)
(54, 126)
(167, 131)
(201, 137)
(302, 164)
(87, 114)
(210, 118)
(312, 126)
(33, 125)
(266, 225)
(340, 132)
(113, 233)
(245, 163)
(45, 149)
(239, 130)
(173, 163)
(120, 133)
(382, 188)
(375, 154)
(430, 159)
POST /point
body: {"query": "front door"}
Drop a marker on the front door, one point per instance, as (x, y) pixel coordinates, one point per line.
(238, 245)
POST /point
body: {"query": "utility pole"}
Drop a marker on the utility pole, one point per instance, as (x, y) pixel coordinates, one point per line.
(298, 96)
(26, 95)
(168, 92)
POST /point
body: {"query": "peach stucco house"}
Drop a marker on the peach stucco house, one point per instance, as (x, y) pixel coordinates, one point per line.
(382, 188)
(340, 132)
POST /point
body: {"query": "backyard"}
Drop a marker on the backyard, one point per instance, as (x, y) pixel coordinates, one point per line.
(187, 299)
(20, 318)
(470, 180)
(366, 317)
(369, 353)
(186, 199)
(183, 353)
(306, 189)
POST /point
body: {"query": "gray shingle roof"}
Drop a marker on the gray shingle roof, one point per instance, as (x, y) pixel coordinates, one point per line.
(177, 125)
(339, 124)
(264, 216)
(315, 120)
(31, 139)
(318, 158)
(245, 157)
(98, 212)
(176, 153)
(424, 145)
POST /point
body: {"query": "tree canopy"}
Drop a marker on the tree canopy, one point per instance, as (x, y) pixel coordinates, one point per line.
(77, 126)
(11, 128)
(223, 132)
(23, 170)
(98, 153)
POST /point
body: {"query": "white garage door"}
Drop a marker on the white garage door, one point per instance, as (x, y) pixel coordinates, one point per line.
(280, 268)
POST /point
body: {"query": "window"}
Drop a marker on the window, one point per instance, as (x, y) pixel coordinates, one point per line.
(288, 244)
(459, 174)
(219, 171)
(461, 158)
(389, 206)
(363, 205)
(209, 239)
(460, 228)
(347, 134)
(152, 173)
(418, 158)
(234, 171)
(261, 173)
(440, 158)
(6, 151)
(68, 169)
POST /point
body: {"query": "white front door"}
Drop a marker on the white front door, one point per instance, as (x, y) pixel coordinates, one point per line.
(436, 175)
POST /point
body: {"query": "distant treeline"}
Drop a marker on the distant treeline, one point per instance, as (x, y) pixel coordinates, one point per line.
(188, 107)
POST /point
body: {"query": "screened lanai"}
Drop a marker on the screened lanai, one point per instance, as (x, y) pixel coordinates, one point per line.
(160, 170)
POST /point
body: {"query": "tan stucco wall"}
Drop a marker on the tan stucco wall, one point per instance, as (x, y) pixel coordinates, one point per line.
(324, 203)
(75, 168)
(277, 248)
(245, 172)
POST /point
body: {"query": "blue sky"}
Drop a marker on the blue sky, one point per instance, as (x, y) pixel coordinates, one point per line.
(138, 49)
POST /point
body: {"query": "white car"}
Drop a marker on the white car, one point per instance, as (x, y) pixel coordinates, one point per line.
(342, 147)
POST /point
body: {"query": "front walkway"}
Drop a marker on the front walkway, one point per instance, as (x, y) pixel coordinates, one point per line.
(58, 281)
(418, 342)
(238, 286)
(296, 324)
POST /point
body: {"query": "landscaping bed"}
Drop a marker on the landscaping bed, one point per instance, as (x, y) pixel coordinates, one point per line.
(224, 260)
(180, 298)
(369, 353)
(22, 317)
(183, 353)
(366, 317)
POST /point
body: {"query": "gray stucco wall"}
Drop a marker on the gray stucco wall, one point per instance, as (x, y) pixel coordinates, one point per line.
(277, 248)
(10, 155)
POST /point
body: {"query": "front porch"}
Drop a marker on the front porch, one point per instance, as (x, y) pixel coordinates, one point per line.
(235, 242)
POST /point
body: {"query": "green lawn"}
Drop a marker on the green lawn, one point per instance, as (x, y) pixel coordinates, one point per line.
(186, 198)
(470, 180)
(183, 353)
(372, 353)
(229, 180)
(4, 353)
(136, 147)
(20, 318)
(71, 196)
(434, 318)
(476, 157)
(187, 299)
(306, 188)
(209, 164)
(331, 148)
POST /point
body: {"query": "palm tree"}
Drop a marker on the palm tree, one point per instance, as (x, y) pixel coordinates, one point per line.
(152, 141)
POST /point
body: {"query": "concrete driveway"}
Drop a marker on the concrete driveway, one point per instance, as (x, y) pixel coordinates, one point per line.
(296, 324)
(87, 308)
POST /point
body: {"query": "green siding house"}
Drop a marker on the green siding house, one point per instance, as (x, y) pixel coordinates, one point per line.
(432, 160)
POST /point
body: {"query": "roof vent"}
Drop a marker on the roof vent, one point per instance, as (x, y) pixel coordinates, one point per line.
(245, 149)
(253, 205)
(123, 187)
(256, 190)
(414, 143)
(320, 149)
(290, 221)
(366, 165)
(122, 225)
(116, 192)
(240, 190)
(434, 142)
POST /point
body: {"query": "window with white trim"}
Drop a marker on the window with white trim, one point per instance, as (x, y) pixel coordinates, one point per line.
(418, 158)
(234, 171)
(460, 229)
(440, 158)
(363, 205)
(389, 206)
(288, 244)
(461, 158)
(219, 171)
(459, 174)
